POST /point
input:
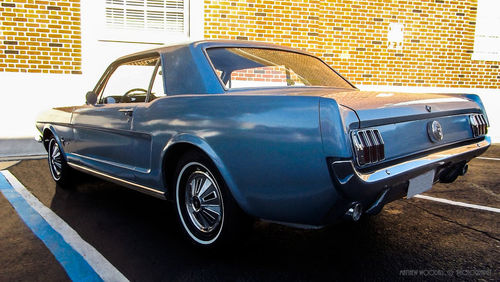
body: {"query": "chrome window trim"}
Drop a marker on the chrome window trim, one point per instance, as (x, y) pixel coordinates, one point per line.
(103, 81)
(228, 89)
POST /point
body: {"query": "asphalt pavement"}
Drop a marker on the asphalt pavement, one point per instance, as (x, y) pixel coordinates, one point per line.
(413, 239)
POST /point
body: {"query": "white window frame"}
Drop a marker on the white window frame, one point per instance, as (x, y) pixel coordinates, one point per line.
(143, 35)
(487, 34)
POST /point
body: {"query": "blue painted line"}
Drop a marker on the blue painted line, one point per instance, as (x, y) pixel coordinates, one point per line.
(73, 263)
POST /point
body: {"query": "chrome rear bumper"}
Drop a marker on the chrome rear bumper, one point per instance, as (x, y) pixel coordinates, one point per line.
(367, 188)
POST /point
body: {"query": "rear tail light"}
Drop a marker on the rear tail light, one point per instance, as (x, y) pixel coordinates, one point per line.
(368, 146)
(478, 124)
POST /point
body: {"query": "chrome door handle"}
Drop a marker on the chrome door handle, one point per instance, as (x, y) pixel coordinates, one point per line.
(127, 112)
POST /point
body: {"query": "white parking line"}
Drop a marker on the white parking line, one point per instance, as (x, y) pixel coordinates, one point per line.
(95, 260)
(460, 204)
(487, 158)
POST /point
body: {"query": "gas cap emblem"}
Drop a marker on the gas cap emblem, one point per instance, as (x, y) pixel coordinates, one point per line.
(435, 131)
(428, 108)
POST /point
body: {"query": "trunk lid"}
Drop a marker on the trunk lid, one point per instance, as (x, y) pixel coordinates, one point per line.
(378, 108)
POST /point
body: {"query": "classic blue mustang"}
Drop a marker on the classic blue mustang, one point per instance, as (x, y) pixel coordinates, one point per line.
(232, 130)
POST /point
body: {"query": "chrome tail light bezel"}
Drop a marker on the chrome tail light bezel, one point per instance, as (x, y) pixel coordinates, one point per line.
(368, 146)
(479, 125)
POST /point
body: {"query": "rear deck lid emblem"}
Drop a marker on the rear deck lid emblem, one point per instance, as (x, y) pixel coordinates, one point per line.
(435, 131)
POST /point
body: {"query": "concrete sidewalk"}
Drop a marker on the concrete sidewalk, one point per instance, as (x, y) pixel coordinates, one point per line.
(19, 148)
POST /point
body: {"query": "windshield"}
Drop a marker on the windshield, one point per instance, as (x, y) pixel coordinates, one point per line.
(257, 67)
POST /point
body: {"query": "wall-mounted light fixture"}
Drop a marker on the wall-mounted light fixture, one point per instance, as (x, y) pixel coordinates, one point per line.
(395, 36)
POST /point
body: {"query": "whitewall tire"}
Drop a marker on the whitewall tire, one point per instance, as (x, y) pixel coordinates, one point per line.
(207, 212)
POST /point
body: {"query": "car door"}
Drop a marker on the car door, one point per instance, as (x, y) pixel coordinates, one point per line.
(105, 139)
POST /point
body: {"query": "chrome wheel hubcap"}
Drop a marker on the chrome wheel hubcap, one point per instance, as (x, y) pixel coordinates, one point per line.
(203, 202)
(55, 159)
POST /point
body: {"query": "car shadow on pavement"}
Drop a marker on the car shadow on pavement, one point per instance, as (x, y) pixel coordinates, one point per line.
(140, 236)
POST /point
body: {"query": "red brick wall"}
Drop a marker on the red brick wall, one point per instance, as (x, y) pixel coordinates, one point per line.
(40, 36)
(352, 37)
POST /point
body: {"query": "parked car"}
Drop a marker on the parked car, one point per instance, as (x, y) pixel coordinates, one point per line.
(232, 130)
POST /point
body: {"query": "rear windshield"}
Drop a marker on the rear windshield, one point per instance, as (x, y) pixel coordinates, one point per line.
(257, 67)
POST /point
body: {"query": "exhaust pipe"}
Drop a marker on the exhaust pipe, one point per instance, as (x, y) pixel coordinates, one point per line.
(354, 212)
(450, 174)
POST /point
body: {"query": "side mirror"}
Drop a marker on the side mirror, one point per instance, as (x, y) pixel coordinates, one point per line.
(91, 98)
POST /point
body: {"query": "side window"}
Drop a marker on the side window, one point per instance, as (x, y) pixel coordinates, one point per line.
(129, 82)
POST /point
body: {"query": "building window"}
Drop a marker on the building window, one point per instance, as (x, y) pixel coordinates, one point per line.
(487, 36)
(155, 21)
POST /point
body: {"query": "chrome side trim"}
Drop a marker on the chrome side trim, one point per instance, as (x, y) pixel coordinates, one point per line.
(125, 132)
(126, 183)
(434, 158)
(129, 167)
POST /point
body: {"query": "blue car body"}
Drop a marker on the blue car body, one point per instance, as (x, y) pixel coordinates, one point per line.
(285, 153)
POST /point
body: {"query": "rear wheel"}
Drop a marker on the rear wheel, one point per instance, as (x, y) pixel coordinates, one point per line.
(59, 169)
(207, 211)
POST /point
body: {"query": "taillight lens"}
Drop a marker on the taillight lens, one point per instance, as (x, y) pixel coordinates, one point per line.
(368, 146)
(478, 125)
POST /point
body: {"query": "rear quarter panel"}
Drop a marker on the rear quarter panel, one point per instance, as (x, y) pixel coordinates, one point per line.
(268, 149)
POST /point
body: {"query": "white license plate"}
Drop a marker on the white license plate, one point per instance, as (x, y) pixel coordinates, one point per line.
(420, 184)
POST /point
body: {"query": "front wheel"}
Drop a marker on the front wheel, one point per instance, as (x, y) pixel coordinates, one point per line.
(59, 169)
(207, 211)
